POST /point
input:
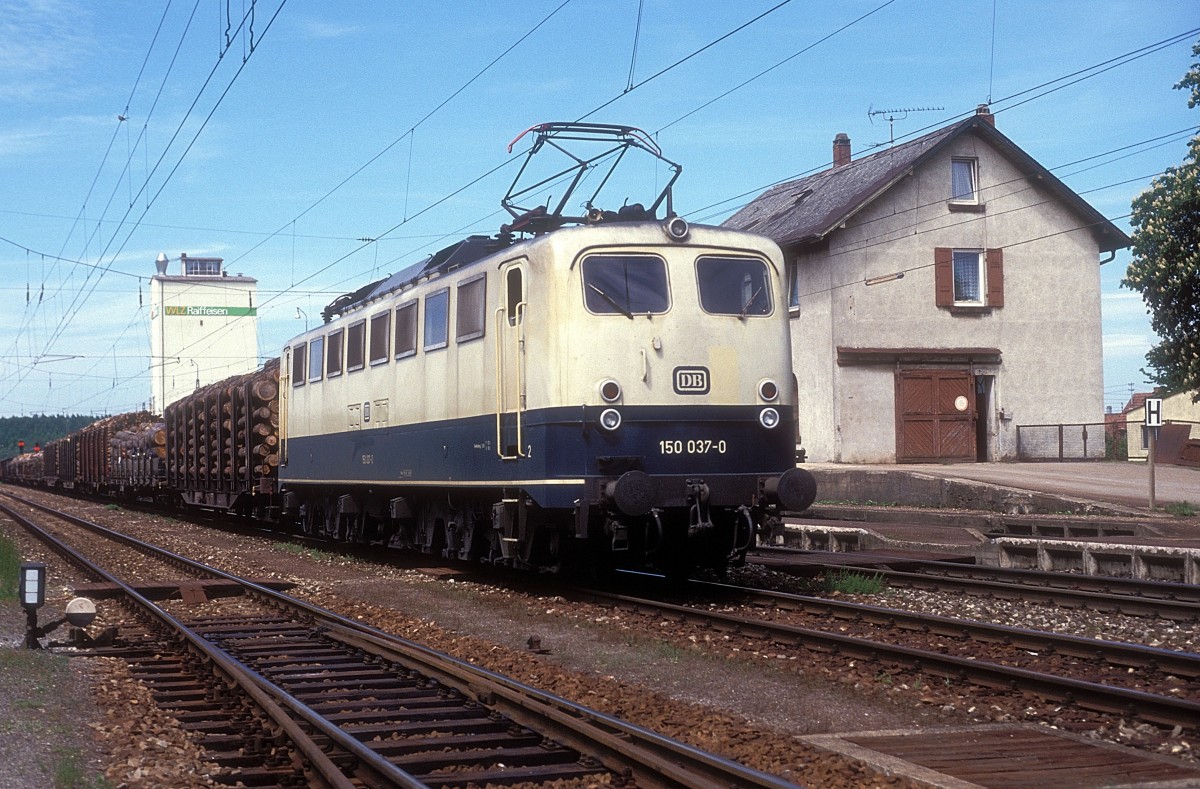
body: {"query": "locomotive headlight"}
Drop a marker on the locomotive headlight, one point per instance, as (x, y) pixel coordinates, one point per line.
(610, 419)
(610, 390)
(768, 418)
(768, 390)
(677, 228)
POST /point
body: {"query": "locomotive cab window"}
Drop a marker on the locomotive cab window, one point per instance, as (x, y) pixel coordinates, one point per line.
(380, 337)
(734, 286)
(625, 284)
(333, 356)
(437, 319)
(406, 330)
(299, 357)
(356, 337)
(316, 359)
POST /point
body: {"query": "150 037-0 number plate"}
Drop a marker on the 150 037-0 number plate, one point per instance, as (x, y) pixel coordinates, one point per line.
(691, 446)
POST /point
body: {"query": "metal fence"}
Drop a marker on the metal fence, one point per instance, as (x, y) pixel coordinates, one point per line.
(1069, 442)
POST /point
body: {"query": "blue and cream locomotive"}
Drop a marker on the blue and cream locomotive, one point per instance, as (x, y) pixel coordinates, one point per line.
(609, 389)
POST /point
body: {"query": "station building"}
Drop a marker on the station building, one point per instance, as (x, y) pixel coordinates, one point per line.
(203, 326)
(945, 293)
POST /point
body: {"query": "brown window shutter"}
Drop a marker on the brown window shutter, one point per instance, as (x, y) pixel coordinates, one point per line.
(995, 277)
(943, 276)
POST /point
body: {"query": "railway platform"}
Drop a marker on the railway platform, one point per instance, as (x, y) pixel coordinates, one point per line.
(1092, 487)
(1084, 517)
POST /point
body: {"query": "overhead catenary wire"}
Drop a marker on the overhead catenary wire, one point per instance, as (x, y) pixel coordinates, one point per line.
(378, 237)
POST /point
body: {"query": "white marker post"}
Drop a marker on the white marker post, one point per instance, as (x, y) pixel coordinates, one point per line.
(1153, 423)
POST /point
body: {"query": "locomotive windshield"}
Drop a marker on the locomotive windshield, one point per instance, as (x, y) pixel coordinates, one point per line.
(733, 286)
(625, 284)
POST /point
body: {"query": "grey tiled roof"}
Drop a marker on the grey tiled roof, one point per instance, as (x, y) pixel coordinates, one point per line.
(806, 210)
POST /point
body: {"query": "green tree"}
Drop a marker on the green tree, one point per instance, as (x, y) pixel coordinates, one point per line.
(1166, 261)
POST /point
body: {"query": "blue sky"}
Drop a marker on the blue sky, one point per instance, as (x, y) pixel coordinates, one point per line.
(333, 123)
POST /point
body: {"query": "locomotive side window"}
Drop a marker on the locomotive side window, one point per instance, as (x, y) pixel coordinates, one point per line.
(625, 284)
(333, 358)
(470, 318)
(380, 337)
(355, 345)
(406, 330)
(733, 286)
(514, 283)
(437, 319)
(316, 359)
(299, 356)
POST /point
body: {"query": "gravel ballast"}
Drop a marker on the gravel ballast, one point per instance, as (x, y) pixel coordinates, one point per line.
(750, 705)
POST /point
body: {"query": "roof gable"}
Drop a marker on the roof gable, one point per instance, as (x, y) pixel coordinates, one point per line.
(808, 209)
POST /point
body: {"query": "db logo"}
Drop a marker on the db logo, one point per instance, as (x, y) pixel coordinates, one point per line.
(691, 380)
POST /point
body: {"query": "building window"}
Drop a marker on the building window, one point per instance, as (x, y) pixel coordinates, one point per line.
(356, 346)
(406, 330)
(299, 357)
(333, 356)
(793, 270)
(470, 316)
(968, 277)
(380, 337)
(316, 358)
(964, 182)
(437, 319)
(202, 267)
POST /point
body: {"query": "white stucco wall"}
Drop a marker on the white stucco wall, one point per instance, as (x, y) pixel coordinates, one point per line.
(1048, 331)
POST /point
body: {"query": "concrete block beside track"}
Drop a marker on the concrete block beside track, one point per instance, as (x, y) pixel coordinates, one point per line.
(1177, 564)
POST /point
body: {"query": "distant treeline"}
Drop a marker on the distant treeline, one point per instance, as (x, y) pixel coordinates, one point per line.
(37, 430)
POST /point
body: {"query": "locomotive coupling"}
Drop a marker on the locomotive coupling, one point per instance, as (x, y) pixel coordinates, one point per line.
(794, 490)
(632, 493)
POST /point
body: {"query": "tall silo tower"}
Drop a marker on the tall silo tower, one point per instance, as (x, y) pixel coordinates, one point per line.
(203, 326)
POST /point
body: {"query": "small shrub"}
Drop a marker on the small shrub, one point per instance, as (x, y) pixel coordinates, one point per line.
(1182, 509)
(847, 581)
(10, 569)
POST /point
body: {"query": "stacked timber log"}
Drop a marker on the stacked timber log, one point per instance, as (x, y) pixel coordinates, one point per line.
(224, 438)
(94, 457)
(28, 467)
(138, 452)
(59, 461)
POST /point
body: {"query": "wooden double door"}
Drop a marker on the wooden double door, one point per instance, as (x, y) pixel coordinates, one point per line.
(935, 415)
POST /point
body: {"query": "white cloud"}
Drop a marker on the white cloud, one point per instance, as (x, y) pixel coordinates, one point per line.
(316, 28)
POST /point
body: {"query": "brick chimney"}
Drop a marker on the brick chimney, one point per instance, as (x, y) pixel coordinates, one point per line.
(985, 114)
(841, 150)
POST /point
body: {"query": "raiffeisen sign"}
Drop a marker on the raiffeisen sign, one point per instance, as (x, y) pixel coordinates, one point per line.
(209, 312)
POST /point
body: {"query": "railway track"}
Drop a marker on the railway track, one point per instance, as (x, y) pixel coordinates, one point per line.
(1153, 685)
(285, 694)
(1131, 597)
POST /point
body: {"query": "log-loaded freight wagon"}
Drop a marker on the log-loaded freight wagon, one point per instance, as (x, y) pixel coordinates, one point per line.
(222, 442)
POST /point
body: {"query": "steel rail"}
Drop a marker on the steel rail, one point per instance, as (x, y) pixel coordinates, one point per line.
(233, 671)
(1107, 584)
(653, 760)
(1170, 661)
(1175, 603)
(1103, 698)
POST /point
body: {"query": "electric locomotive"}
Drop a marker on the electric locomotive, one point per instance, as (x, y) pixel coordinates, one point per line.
(610, 389)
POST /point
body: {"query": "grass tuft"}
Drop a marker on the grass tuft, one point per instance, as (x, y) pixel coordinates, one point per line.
(847, 581)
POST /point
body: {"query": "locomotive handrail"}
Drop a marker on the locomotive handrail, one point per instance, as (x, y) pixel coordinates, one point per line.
(519, 315)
